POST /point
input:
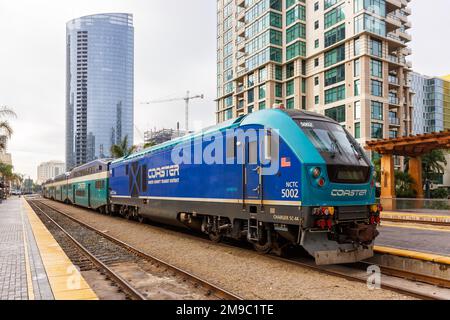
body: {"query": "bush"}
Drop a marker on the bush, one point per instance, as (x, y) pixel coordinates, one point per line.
(440, 193)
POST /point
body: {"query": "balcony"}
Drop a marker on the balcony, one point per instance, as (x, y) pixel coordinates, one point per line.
(394, 81)
(394, 122)
(394, 101)
(404, 36)
(392, 5)
(392, 22)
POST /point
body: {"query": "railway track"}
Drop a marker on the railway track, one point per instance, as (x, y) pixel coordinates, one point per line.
(107, 252)
(354, 272)
(429, 223)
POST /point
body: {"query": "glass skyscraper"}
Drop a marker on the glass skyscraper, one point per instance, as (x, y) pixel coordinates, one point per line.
(100, 85)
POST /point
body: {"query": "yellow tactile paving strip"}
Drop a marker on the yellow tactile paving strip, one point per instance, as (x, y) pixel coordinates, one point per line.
(27, 263)
(413, 255)
(65, 280)
(415, 217)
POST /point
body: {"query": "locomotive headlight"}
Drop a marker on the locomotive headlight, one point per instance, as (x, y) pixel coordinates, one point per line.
(316, 172)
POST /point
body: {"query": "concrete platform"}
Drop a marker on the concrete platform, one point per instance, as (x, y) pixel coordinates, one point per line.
(432, 217)
(425, 242)
(32, 264)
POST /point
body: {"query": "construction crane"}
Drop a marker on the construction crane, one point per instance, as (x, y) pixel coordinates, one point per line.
(186, 99)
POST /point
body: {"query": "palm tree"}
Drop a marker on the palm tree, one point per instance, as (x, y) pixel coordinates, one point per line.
(433, 164)
(5, 128)
(122, 150)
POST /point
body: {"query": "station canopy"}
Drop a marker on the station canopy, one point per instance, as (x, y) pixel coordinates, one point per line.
(411, 146)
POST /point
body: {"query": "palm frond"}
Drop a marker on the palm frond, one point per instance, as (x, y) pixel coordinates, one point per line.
(7, 112)
(6, 128)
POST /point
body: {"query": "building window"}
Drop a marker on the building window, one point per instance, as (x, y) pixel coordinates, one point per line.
(357, 88)
(334, 56)
(290, 88)
(377, 88)
(316, 62)
(316, 43)
(262, 105)
(295, 50)
(316, 6)
(334, 16)
(290, 103)
(357, 130)
(357, 68)
(376, 48)
(358, 110)
(316, 81)
(228, 114)
(376, 6)
(335, 94)
(365, 22)
(262, 92)
(278, 72)
(298, 30)
(316, 25)
(334, 35)
(335, 75)
(290, 70)
(337, 114)
(251, 96)
(377, 131)
(250, 109)
(393, 134)
(251, 80)
(279, 90)
(294, 14)
(377, 110)
(262, 74)
(357, 46)
(376, 68)
(316, 100)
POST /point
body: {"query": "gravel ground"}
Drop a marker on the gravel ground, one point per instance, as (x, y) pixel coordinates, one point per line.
(238, 270)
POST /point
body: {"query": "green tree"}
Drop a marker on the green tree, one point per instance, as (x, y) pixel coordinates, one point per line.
(149, 145)
(433, 164)
(403, 185)
(122, 149)
(5, 128)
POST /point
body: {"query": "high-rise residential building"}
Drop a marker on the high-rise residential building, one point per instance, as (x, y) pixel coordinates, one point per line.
(100, 85)
(344, 59)
(429, 100)
(50, 170)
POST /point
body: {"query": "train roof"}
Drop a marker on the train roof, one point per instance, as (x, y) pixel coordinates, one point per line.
(91, 164)
(260, 117)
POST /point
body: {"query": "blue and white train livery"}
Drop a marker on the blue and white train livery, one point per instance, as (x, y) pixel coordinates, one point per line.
(275, 178)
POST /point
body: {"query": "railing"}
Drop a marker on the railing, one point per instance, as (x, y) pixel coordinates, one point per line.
(393, 80)
(394, 121)
(393, 100)
(416, 205)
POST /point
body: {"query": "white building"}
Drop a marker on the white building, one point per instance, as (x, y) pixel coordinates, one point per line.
(49, 170)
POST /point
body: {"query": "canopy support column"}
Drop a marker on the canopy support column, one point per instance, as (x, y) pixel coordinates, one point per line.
(415, 170)
(387, 177)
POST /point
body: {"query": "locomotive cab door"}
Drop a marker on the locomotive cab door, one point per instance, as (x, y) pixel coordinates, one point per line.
(252, 178)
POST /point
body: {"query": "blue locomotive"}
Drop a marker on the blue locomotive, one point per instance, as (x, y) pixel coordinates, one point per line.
(275, 178)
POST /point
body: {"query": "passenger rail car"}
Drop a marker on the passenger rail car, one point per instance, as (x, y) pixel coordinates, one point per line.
(304, 182)
(85, 186)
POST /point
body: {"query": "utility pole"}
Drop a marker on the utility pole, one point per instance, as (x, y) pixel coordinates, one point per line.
(186, 99)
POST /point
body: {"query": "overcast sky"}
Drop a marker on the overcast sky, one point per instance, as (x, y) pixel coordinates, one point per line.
(175, 51)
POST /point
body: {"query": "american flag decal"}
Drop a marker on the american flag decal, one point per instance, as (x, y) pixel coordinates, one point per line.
(285, 162)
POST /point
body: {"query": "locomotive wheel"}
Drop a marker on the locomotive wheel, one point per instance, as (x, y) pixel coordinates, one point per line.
(262, 248)
(141, 219)
(215, 237)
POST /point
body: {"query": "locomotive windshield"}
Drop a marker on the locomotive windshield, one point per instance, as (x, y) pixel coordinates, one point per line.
(347, 162)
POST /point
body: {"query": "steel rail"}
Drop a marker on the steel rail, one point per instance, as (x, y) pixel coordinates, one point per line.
(124, 284)
(322, 269)
(212, 289)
